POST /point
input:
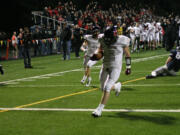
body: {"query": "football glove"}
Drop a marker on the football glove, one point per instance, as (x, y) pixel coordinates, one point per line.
(128, 71)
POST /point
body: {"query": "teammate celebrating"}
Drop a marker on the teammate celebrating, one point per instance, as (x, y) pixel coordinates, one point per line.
(90, 46)
(158, 30)
(113, 48)
(171, 67)
(130, 30)
(151, 35)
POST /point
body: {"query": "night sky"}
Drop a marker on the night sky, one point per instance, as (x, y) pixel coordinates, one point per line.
(17, 13)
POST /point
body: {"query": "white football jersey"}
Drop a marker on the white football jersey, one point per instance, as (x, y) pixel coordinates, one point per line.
(158, 28)
(144, 31)
(151, 29)
(113, 54)
(93, 45)
(131, 30)
(137, 31)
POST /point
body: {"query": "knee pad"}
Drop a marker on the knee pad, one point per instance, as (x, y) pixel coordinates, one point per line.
(109, 85)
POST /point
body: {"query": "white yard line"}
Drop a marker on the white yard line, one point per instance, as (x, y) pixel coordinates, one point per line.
(74, 70)
(38, 77)
(42, 86)
(87, 110)
(149, 58)
(68, 85)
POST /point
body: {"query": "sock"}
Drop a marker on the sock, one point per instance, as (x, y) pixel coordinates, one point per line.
(101, 106)
(154, 74)
(84, 77)
(89, 78)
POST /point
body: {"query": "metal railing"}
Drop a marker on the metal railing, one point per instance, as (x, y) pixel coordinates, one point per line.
(40, 14)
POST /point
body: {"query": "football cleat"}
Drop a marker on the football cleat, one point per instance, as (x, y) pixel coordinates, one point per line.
(97, 112)
(117, 89)
(128, 71)
(150, 77)
(82, 81)
(1, 70)
(28, 66)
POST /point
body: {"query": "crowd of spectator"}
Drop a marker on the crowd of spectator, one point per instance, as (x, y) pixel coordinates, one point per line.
(62, 27)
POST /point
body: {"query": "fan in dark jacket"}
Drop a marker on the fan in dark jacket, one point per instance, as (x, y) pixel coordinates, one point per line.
(26, 48)
(66, 41)
(171, 32)
(77, 40)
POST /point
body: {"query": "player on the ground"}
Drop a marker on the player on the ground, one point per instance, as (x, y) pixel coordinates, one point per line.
(89, 46)
(171, 67)
(113, 48)
(1, 69)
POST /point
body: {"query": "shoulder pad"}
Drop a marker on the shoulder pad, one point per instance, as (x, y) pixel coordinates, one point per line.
(123, 40)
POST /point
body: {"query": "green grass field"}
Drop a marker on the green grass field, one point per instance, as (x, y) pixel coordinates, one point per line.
(55, 84)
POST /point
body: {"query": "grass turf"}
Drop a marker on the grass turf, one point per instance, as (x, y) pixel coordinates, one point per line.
(159, 93)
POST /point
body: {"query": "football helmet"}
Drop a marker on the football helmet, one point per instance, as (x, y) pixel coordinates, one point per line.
(110, 36)
(95, 31)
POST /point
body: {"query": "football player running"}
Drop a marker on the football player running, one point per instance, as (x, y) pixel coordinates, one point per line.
(1, 69)
(113, 48)
(89, 46)
(171, 67)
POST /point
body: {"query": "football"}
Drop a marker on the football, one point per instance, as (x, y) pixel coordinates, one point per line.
(97, 56)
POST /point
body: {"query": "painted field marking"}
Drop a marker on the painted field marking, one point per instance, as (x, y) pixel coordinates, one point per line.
(63, 85)
(39, 77)
(52, 99)
(90, 110)
(138, 79)
(68, 95)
